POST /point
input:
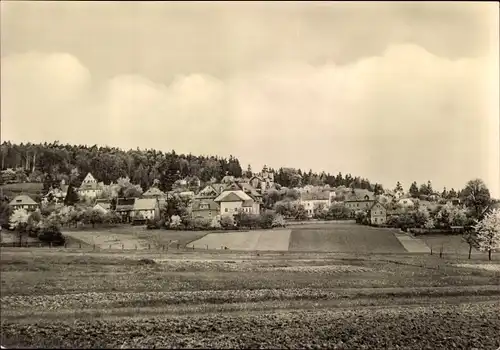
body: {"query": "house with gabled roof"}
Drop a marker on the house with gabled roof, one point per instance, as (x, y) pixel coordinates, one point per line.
(124, 208)
(205, 208)
(234, 199)
(358, 199)
(377, 214)
(23, 202)
(145, 208)
(90, 188)
(311, 199)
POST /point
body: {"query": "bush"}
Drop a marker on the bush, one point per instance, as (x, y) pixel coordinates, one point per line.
(154, 224)
(201, 224)
(278, 221)
(266, 220)
(227, 222)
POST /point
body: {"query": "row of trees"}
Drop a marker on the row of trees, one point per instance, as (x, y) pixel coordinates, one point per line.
(241, 220)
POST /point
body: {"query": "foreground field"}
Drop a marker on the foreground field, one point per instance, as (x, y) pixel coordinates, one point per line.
(69, 298)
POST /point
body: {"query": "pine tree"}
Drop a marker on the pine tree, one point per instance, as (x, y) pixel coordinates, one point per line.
(414, 192)
(71, 196)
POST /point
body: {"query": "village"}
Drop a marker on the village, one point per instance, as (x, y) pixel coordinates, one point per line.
(234, 201)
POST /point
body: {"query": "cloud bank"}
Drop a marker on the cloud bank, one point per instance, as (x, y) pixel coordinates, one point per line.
(402, 116)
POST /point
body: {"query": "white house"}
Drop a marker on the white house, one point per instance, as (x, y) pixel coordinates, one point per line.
(233, 201)
(89, 187)
(312, 199)
(146, 208)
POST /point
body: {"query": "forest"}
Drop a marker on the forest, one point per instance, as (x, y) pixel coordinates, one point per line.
(49, 163)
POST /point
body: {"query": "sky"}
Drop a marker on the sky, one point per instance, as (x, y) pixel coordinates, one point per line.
(388, 91)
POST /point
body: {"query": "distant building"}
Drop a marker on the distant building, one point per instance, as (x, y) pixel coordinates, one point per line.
(145, 208)
(312, 199)
(124, 208)
(359, 200)
(89, 187)
(205, 208)
(262, 181)
(377, 214)
(234, 199)
(23, 202)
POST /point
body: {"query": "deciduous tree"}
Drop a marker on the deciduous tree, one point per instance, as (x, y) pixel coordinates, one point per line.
(488, 232)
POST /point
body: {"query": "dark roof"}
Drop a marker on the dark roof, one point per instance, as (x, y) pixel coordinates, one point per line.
(359, 196)
(125, 204)
(198, 202)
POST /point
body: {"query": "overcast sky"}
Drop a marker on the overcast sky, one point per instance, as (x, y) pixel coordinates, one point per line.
(392, 92)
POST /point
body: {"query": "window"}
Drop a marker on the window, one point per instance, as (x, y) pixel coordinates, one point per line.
(226, 210)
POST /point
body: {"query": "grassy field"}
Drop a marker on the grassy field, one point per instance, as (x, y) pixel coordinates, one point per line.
(129, 237)
(72, 298)
(344, 238)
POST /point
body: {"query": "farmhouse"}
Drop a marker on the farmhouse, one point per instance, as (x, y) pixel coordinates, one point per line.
(23, 202)
(124, 208)
(235, 199)
(145, 208)
(359, 200)
(311, 200)
(89, 187)
(377, 214)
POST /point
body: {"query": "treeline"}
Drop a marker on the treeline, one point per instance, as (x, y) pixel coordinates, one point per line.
(52, 162)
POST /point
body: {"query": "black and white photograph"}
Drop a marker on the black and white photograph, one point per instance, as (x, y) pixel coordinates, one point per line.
(250, 175)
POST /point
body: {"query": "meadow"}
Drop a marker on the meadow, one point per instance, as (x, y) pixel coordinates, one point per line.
(197, 299)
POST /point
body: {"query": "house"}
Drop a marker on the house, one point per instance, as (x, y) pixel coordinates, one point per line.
(124, 208)
(210, 191)
(145, 208)
(359, 200)
(205, 208)
(262, 181)
(89, 187)
(203, 205)
(23, 202)
(377, 214)
(234, 199)
(102, 205)
(57, 195)
(312, 199)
